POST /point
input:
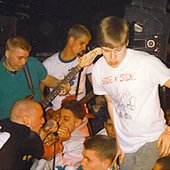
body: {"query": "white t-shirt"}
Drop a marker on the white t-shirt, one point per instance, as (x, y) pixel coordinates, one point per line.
(58, 68)
(133, 87)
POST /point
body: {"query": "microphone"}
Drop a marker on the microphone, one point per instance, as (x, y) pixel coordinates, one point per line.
(51, 126)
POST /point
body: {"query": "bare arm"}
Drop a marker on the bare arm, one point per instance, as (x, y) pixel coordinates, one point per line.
(50, 81)
(119, 153)
(42, 87)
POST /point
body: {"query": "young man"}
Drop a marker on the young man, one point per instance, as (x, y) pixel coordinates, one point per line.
(98, 153)
(108, 129)
(61, 63)
(129, 79)
(21, 141)
(13, 81)
(72, 120)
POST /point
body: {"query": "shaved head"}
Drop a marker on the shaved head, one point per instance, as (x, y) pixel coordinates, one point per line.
(24, 107)
(29, 113)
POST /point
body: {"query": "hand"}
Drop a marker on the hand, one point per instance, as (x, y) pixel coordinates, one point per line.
(50, 139)
(65, 89)
(119, 155)
(164, 143)
(63, 133)
(88, 58)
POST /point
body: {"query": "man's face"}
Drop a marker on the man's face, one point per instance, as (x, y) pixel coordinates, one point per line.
(67, 119)
(115, 56)
(79, 45)
(16, 58)
(110, 128)
(91, 161)
(36, 120)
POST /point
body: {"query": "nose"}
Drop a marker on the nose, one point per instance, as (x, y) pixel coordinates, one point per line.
(113, 55)
(83, 47)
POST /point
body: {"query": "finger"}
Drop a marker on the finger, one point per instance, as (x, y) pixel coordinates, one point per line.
(165, 151)
(121, 158)
(159, 142)
(162, 151)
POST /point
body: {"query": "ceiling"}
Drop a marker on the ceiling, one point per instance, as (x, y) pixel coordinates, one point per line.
(46, 22)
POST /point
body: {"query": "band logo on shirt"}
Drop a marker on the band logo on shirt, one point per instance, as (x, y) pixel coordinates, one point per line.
(120, 78)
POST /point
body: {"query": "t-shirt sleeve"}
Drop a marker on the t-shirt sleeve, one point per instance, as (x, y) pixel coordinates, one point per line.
(158, 72)
(96, 84)
(40, 69)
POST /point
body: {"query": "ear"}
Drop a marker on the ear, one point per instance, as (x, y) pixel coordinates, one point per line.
(127, 43)
(7, 53)
(106, 164)
(78, 122)
(71, 40)
(25, 120)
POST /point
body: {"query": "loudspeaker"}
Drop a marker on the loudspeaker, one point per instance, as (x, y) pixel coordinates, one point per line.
(149, 29)
(7, 29)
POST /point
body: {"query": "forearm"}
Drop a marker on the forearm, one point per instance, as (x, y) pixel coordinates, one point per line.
(50, 81)
(110, 110)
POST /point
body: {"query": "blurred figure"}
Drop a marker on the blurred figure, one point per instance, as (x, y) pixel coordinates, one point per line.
(108, 129)
(98, 108)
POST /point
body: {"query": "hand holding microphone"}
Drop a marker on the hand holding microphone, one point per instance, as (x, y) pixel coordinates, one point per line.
(51, 126)
(49, 132)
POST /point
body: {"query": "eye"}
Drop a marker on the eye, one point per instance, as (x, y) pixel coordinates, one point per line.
(82, 43)
(106, 50)
(117, 49)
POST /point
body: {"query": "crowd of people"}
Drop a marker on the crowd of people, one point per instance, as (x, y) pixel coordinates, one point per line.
(133, 132)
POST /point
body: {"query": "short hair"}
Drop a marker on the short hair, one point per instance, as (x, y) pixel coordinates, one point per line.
(163, 162)
(77, 31)
(20, 105)
(113, 32)
(75, 107)
(18, 42)
(104, 146)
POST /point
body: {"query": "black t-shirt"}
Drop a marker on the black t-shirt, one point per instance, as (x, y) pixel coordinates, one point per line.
(21, 148)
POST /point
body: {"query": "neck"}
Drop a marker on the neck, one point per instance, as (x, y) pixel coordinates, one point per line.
(67, 54)
(8, 66)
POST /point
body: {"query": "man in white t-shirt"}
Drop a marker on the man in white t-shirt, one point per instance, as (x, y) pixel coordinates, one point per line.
(61, 63)
(129, 79)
